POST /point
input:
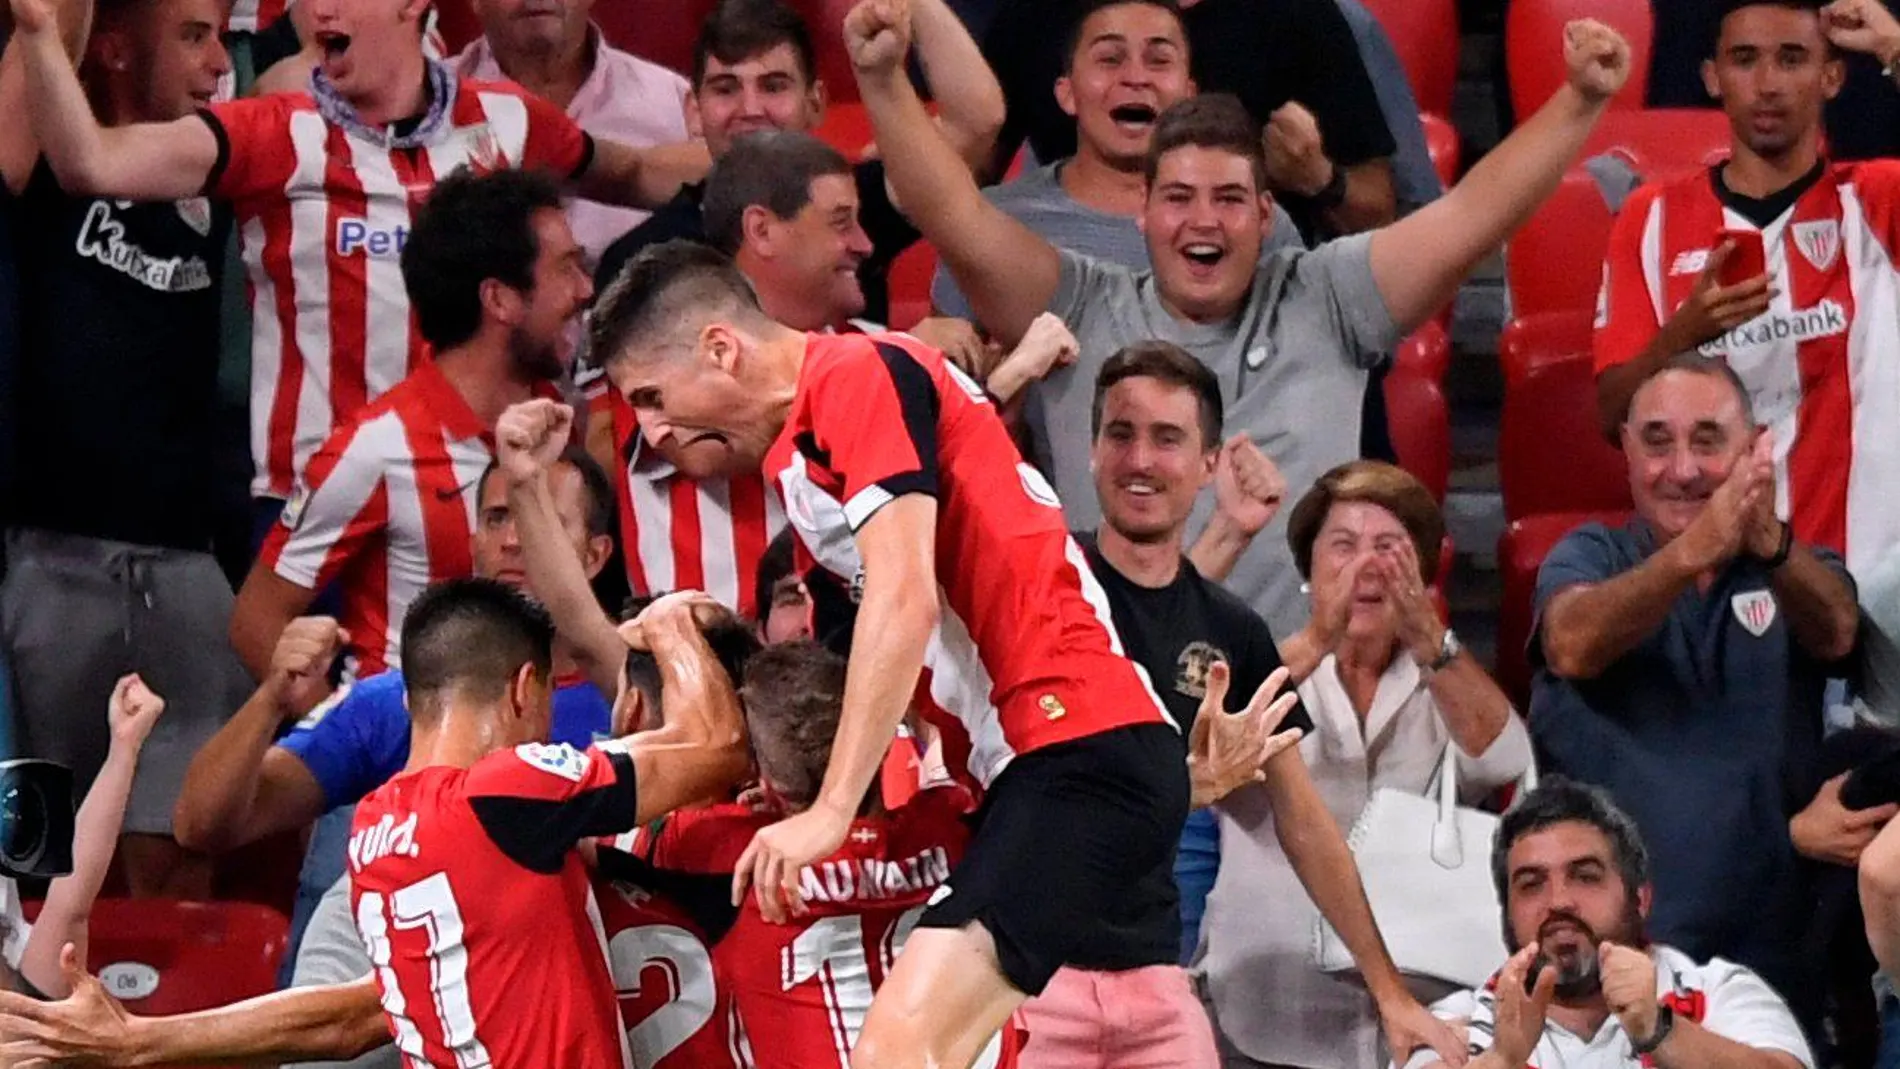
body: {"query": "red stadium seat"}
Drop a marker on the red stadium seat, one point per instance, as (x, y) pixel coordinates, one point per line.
(1420, 424)
(1534, 43)
(1425, 34)
(1663, 141)
(1551, 453)
(162, 957)
(1555, 261)
(910, 279)
(660, 30)
(1548, 337)
(1521, 551)
(826, 19)
(1427, 350)
(1441, 143)
(265, 872)
(456, 22)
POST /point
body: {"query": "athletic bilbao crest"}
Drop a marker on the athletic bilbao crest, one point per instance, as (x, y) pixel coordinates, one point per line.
(1755, 610)
(484, 153)
(196, 212)
(1819, 242)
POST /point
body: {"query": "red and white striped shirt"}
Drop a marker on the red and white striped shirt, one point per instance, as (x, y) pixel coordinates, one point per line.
(323, 216)
(685, 534)
(1822, 365)
(387, 507)
(255, 16)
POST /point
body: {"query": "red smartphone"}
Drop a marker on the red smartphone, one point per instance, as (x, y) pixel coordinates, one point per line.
(1749, 259)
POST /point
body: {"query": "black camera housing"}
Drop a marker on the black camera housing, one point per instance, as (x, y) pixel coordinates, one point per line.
(36, 819)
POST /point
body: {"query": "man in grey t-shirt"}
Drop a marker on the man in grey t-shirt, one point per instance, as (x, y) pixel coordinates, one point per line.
(1289, 341)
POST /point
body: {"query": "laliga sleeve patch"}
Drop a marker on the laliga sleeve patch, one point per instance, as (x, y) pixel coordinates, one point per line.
(557, 759)
(293, 509)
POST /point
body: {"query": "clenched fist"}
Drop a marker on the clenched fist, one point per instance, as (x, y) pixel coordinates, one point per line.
(1248, 486)
(132, 711)
(531, 436)
(1598, 58)
(876, 34)
(1296, 155)
(1629, 988)
(301, 662)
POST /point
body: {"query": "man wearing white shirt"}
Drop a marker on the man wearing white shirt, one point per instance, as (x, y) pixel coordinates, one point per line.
(1573, 874)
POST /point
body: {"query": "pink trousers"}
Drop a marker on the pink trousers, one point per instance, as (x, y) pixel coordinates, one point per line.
(1140, 1019)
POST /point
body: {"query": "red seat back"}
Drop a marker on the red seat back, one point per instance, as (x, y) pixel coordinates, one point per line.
(1533, 341)
(910, 278)
(1425, 35)
(826, 21)
(1534, 47)
(1420, 424)
(1663, 141)
(1555, 261)
(663, 31)
(1552, 456)
(164, 957)
(456, 22)
(1521, 551)
(1441, 143)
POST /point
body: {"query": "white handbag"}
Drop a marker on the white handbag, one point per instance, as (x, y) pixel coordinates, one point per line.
(1426, 867)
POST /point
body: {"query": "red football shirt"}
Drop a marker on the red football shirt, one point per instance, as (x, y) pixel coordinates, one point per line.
(476, 911)
(1024, 653)
(677, 1013)
(801, 989)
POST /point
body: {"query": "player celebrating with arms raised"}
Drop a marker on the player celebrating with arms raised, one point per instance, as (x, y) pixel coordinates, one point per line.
(901, 480)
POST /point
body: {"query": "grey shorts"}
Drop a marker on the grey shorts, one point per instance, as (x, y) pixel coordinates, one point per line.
(77, 613)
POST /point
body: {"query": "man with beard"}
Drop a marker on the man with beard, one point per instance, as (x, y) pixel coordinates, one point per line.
(1585, 988)
(1808, 320)
(1682, 660)
(389, 503)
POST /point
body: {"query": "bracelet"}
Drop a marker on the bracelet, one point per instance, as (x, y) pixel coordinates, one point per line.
(1333, 193)
(1782, 550)
(1665, 1024)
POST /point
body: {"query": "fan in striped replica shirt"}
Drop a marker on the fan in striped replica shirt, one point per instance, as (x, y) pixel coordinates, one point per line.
(326, 184)
(388, 504)
(1782, 263)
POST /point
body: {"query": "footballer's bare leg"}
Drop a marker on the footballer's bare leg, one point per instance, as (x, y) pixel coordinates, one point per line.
(942, 1001)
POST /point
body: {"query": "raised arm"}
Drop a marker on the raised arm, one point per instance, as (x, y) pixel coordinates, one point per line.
(643, 178)
(700, 750)
(19, 149)
(142, 161)
(239, 786)
(554, 572)
(1007, 272)
(89, 1027)
(1420, 261)
(970, 107)
(64, 919)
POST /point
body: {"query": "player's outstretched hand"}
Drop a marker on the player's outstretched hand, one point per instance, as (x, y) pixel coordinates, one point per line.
(531, 436)
(877, 35)
(777, 856)
(87, 1027)
(1227, 751)
(132, 712)
(1598, 58)
(694, 608)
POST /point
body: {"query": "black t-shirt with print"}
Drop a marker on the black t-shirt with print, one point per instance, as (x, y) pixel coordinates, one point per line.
(115, 413)
(1178, 631)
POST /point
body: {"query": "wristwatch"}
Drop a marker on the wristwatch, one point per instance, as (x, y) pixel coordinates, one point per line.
(1333, 193)
(1448, 650)
(1782, 549)
(1665, 1024)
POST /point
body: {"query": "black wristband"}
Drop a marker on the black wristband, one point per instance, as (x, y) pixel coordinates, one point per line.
(1665, 1024)
(1333, 193)
(1782, 550)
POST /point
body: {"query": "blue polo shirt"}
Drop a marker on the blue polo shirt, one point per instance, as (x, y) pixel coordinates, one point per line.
(1708, 734)
(362, 740)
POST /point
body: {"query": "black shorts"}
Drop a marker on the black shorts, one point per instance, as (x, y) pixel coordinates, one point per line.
(1073, 858)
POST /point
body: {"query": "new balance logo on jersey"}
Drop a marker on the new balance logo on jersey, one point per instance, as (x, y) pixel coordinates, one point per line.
(1689, 262)
(382, 839)
(102, 238)
(1821, 321)
(872, 879)
(355, 235)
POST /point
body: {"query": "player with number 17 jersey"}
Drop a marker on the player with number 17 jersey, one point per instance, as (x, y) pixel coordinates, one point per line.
(470, 899)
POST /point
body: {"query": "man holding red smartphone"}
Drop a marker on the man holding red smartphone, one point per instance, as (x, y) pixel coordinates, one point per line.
(1782, 263)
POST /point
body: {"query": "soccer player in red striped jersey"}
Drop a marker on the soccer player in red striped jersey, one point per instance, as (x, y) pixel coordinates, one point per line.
(465, 882)
(390, 500)
(902, 482)
(1782, 263)
(325, 184)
